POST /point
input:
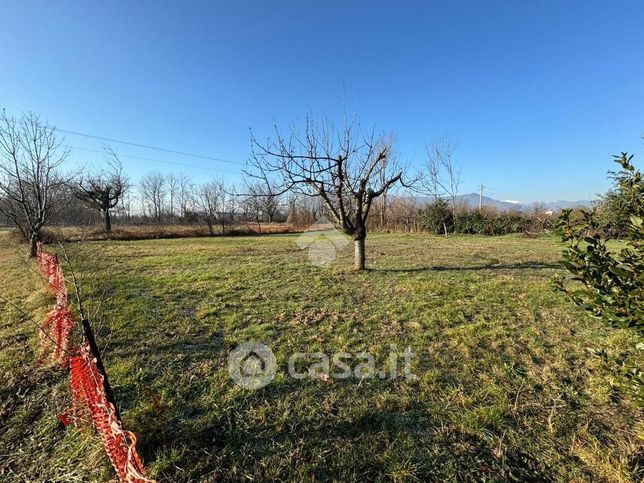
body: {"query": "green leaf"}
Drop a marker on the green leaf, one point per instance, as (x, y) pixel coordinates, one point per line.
(621, 272)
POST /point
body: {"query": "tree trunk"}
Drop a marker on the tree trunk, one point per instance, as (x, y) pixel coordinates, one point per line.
(33, 244)
(360, 256)
(108, 220)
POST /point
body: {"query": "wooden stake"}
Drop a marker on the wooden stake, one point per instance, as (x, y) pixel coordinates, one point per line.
(89, 336)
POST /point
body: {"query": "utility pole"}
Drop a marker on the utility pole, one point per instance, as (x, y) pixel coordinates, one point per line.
(481, 197)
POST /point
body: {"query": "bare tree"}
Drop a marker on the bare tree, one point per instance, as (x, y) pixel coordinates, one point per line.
(186, 194)
(404, 212)
(210, 203)
(173, 191)
(443, 177)
(231, 205)
(254, 206)
(265, 199)
(153, 193)
(342, 167)
(103, 190)
(30, 181)
(126, 205)
(383, 205)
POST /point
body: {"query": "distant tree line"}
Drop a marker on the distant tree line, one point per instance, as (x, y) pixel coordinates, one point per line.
(347, 176)
(167, 199)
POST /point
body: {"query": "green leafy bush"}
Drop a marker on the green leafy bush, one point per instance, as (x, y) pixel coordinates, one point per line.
(609, 282)
(437, 217)
(470, 222)
(506, 223)
(612, 282)
(616, 207)
(474, 222)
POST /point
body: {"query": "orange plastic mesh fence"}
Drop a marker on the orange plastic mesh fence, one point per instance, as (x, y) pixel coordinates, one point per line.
(88, 392)
(88, 389)
(57, 326)
(56, 330)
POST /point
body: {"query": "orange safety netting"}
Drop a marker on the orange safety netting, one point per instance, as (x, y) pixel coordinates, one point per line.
(56, 330)
(57, 326)
(89, 393)
(87, 381)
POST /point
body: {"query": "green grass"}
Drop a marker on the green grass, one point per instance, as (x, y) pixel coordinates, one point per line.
(506, 387)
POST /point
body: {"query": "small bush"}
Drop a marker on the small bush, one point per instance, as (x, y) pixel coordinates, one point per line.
(612, 281)
(506, 223)
(437, 217)
(615, 208)
(606, 282)
(470, 222)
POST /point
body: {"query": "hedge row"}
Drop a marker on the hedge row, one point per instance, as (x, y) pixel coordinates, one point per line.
(439, 218)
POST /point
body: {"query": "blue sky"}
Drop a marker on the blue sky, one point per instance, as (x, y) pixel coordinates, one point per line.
(537, 95)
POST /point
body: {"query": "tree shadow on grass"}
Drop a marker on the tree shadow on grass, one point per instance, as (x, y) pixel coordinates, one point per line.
(372, 443)
(487, 266)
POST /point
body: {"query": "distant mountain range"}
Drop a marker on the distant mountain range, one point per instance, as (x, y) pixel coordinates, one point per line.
(472, 200)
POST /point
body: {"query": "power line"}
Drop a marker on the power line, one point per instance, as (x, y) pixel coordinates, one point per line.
(156, 160)
(172, 151)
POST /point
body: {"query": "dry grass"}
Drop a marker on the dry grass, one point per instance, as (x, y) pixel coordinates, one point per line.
(151, 232)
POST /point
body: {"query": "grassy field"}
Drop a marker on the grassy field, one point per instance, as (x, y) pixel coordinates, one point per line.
(506, 388)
